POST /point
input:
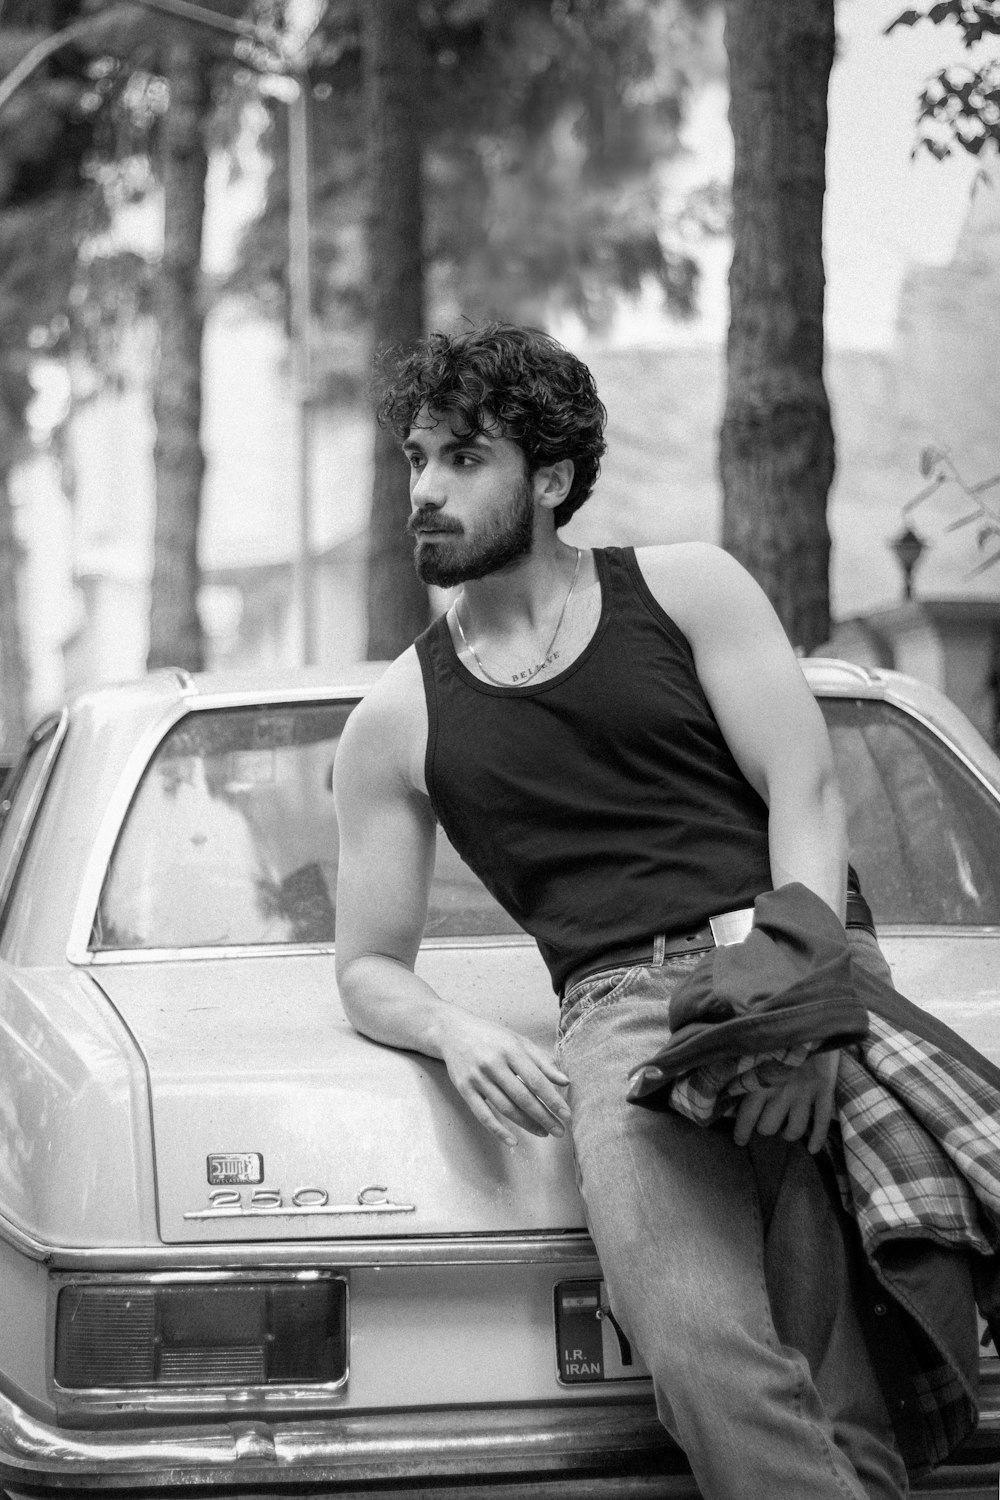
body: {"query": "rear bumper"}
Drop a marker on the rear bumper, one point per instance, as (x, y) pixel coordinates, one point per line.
(563, 1450)
(603, 1450)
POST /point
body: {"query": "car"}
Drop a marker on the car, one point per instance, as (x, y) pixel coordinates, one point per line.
(243, 1247)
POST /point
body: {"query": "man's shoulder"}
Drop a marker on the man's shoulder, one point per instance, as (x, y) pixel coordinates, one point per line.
(390, 722)
(680, 558)
(690, 577)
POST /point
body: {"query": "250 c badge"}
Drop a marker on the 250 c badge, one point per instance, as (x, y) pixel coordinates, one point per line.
(304, 1202)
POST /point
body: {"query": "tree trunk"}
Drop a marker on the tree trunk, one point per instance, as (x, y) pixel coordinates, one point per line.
(397, 600)
(175, 634)
(776, 451)
(13, 668)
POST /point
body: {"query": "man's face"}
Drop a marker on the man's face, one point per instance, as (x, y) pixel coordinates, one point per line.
(473, 502)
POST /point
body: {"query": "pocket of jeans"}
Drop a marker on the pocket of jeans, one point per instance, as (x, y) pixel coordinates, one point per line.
(591, 995)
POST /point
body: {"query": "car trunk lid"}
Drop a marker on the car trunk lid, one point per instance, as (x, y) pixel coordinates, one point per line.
(273, 1119)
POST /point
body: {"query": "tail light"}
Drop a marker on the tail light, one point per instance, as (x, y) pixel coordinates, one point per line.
(128, 1335)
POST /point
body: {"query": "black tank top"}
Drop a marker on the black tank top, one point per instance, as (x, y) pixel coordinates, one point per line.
(601, 806)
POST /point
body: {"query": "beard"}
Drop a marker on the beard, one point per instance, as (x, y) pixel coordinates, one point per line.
(503, 540)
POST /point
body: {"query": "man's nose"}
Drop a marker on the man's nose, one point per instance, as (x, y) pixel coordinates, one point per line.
(426, 488)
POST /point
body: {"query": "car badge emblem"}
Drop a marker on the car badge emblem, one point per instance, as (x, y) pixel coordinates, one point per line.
(245, 1168)
(226, 1167)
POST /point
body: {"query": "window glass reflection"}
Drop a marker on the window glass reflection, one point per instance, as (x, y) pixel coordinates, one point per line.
(232, 840)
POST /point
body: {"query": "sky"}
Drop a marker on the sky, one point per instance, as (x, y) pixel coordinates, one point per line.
(884, 211)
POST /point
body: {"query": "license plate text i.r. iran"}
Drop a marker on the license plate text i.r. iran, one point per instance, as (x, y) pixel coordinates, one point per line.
(591, 1347)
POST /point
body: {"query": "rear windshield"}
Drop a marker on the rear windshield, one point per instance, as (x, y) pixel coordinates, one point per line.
(923, 831)
(232, 840)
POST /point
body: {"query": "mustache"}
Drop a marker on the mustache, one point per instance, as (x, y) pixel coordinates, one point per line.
(427, 519)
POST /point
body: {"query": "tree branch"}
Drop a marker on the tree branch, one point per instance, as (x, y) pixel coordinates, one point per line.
(183, 10)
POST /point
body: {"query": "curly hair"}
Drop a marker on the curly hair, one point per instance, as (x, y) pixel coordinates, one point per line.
(518, 381)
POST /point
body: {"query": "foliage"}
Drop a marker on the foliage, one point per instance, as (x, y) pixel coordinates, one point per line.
(959, 106)
(939, 469)
(544, 124)
(46, 136)
(46, 133)
(81, 138)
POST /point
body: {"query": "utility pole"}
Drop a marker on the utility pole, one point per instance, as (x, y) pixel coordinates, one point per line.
(300, 318)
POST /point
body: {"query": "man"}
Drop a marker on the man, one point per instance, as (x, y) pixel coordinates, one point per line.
(622, 746)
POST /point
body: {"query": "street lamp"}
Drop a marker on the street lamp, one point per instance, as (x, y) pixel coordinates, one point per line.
(909, 549)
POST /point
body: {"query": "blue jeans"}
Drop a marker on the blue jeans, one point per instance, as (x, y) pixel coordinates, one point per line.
(710, 1253)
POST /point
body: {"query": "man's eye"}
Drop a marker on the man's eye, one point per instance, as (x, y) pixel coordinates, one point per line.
(466, 459)
(414, 460)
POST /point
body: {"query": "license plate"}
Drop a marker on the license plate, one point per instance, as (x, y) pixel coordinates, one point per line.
(590, 1345)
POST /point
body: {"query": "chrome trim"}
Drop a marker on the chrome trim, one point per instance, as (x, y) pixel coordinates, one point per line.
(479, 940)
(540, 1247)
(181, 1400)
(852, 670)
(59, 722)
(257, 697)
(293, 1211)
(107, 957)
(110, 956)
(939, 931)
(556, 1441)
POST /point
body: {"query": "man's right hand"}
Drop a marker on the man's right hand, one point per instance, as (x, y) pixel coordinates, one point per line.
(505, 1079)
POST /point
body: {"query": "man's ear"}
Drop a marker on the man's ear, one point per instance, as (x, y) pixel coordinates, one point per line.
(553, 482)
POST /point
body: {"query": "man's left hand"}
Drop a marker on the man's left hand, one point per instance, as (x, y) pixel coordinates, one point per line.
(805, 1103)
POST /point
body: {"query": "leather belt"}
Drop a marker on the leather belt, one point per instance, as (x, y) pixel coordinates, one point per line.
(653, 951)
(643, 953)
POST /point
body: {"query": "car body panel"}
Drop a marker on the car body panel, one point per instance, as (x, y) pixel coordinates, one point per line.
(255, 1056)
(76, 1158)
(955, 976)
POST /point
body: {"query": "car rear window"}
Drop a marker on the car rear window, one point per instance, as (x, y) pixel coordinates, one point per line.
(923, 831)
(231, 840)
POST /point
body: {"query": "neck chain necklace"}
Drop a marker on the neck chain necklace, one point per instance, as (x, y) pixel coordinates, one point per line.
(547, 656)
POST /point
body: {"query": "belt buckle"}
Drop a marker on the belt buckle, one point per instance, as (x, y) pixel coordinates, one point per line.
(731, 926)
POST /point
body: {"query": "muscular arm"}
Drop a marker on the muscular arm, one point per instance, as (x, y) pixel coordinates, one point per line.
(776, 733)
(387, 834)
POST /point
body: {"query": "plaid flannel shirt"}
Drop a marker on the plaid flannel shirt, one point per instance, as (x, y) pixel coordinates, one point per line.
(915, 1147)
(917, 1155)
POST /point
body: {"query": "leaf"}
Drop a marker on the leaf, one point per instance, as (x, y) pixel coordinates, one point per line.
(930, 457)
(974, 515)
(908, 18)
(982, 567)
(984, 534)
(924, 494)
